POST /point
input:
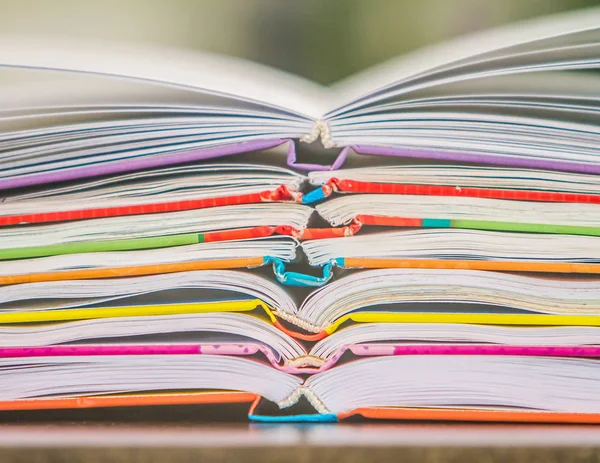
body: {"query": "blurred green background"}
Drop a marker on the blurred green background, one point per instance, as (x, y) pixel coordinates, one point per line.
(324, 40)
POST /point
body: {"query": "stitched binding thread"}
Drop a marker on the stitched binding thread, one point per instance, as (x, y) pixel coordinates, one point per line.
(295, 320)
(304, 361)
(320, 129)
(312, 398)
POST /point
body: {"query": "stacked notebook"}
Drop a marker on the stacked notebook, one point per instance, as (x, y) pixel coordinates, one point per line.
(165, 237)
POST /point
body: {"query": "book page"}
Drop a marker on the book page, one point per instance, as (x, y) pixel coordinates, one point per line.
(461, 48)
(244, 80)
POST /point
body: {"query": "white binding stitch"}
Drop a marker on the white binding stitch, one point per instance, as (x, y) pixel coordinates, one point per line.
(312, 398)
(304, 361)
(320, 129)
(298, 322)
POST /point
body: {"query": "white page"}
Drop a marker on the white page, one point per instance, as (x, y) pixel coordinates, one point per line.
(278, 247)
(199, 325)
(80, 293)
(167, 223)
(29, 89)
(511, 64)
(452, 333)
(210, 180)
(179, 68)
(456, 244)
(250, 81)
(343, 209)
(85, 375)
(448, 52)
(556, 88)
(542, 383)
(361, 290)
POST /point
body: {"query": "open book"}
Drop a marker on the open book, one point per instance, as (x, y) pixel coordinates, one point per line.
(140, 265)
(224, 216)
(515, 96)
(233, 338)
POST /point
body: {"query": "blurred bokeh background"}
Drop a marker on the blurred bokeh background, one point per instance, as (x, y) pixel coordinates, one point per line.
(324, 40)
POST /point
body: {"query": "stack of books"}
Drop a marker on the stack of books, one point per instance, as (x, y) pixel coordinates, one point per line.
(435, 256)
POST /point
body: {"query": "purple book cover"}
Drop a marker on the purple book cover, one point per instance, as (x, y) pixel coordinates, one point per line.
(182, 157)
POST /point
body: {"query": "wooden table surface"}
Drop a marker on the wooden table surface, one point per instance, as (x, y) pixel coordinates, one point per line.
(111, 442)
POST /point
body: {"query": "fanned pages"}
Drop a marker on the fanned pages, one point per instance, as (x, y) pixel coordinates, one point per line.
(454, 248)
(504, 97)
(223, 255)
(570, 382)
(157, 186)
(471, 213)
(483, 297)
(165, 239)
(196, 222)
(378, 294)
(239, 334)
(528, 382)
